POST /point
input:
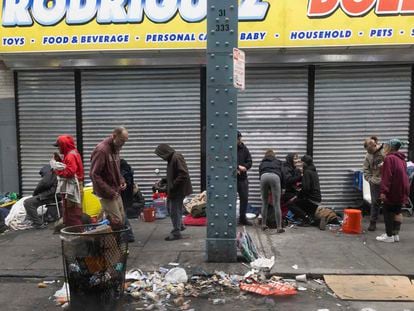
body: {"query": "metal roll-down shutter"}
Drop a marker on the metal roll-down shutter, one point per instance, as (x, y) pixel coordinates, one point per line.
(352, 103)
(46, 105)
(272, 113)
(156, 106)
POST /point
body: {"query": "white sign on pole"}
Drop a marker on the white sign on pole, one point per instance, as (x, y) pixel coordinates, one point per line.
(239, 63)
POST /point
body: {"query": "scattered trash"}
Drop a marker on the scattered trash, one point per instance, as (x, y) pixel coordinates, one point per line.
(42, 285)
(49, 282)
(269, 289)
(175, 264)
(301, 278)
(62, 295)
(219, 301)
(300, 288)
(65, 305)
(295, 267)
(134, 274)
(176, 275)
(263, 263)
(323, 309)
(319, 281)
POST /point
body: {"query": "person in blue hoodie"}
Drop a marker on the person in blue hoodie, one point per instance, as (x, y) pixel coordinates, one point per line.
(270, 171)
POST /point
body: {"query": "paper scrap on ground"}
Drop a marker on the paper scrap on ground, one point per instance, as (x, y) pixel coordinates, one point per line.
(371, 287)
(263, 263)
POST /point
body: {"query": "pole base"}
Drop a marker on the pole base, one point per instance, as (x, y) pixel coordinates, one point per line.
(221, 250)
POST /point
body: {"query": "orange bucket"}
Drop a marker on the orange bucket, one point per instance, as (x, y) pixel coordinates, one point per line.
(149, 214)
(352, 221)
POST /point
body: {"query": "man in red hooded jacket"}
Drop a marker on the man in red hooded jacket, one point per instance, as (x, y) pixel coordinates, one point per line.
(395, 189)
(71, 170)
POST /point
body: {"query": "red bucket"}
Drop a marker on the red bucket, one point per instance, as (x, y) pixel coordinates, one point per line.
(149, 214)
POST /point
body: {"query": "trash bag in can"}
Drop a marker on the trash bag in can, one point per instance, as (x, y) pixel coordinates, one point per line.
(94, 261)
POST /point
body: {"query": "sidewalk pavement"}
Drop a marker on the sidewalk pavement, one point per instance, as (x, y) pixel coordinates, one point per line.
(37, 253)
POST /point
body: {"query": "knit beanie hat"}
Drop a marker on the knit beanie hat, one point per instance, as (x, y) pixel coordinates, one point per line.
(394, 143)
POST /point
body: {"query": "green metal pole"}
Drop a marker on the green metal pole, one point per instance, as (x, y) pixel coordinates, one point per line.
(221, 171)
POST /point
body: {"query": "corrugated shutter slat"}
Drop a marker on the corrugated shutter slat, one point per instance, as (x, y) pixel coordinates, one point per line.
(272, 113)
(156, 106)
(352, 103)
(46, 110)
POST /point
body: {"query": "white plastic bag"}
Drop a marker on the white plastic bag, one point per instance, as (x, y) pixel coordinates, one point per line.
(176, 275)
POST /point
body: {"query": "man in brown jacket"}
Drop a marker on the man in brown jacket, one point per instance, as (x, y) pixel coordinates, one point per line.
(106, 176)
(178, 186)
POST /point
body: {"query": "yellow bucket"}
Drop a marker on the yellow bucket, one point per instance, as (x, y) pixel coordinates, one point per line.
(90, 204)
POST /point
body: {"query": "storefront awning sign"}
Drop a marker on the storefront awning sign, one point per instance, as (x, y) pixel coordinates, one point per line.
(107, 25)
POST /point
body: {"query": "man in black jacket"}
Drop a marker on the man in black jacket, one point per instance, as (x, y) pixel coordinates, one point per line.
(43, 194)
(244, 163)
(178, 187)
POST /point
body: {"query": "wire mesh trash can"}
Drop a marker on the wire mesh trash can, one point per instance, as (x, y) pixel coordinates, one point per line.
(94, 262)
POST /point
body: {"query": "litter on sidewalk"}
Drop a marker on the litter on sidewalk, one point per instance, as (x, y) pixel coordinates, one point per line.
(173, 287)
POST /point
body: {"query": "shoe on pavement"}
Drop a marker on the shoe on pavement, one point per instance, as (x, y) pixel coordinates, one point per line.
(280, 230)
(173, 237)
(183, 228)
(372, 226)
(385, 238)
(42, 226)
(397, 238)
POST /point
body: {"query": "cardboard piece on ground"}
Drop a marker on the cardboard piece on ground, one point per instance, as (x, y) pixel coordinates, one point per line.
(371, 287)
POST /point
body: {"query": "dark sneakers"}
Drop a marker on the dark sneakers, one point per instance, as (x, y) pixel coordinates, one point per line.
(173, 237)
(372, 226)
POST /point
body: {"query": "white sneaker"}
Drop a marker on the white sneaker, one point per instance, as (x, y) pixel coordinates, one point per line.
(397, 238)
(386, 238)
(381, 236)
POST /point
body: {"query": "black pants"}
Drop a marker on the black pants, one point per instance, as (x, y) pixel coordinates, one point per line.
(302, 208)
(243, 191)
(389, 211)
(31, 205)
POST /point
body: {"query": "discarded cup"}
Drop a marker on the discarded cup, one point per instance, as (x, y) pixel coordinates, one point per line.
(301, 278)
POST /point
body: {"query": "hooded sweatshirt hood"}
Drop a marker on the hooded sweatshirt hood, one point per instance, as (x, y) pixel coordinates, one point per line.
(398, 154)
(66, 143)
(164, 151)
(44, 170)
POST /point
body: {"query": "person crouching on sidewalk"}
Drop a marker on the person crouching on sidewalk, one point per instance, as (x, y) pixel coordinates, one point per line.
(178, 187)
(395, 189)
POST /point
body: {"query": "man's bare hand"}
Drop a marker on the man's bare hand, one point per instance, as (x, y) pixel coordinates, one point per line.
(123, 186)
(241, 168)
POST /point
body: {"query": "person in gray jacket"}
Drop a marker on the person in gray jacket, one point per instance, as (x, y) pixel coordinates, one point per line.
(372, 174)
(178, 187)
